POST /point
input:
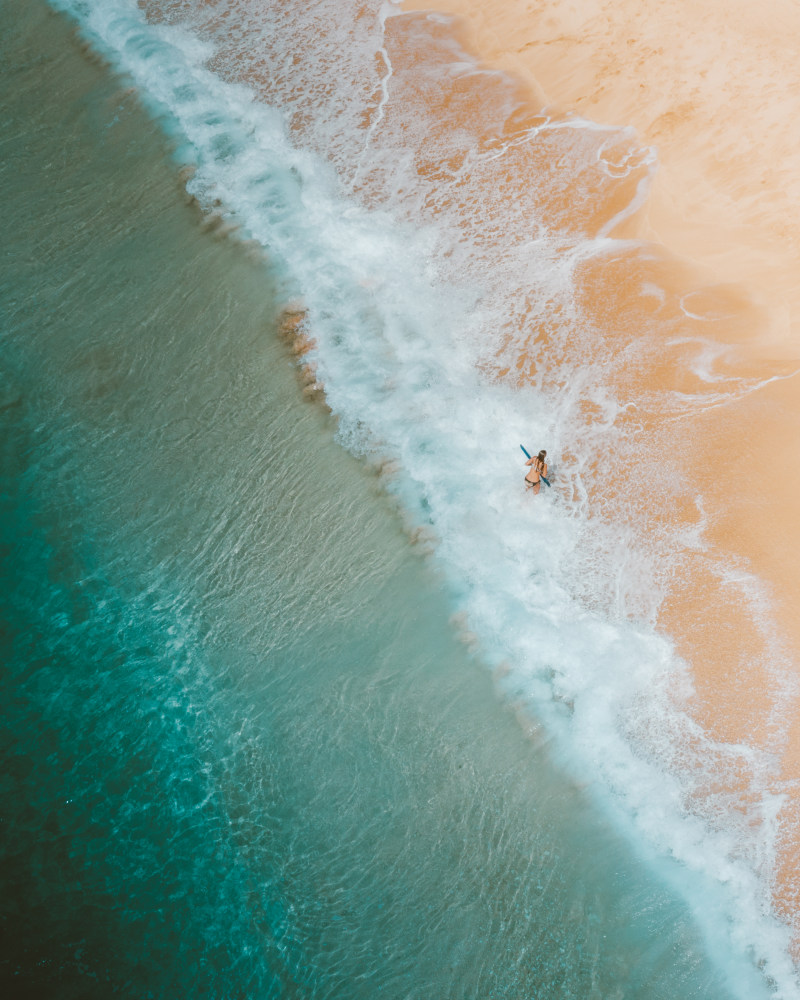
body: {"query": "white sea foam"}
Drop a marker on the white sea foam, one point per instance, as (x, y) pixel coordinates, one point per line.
(563, 603)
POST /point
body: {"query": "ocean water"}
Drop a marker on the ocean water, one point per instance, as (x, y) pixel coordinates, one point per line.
(310, 700)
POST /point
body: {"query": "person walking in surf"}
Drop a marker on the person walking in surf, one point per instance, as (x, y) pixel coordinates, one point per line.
(538, 468)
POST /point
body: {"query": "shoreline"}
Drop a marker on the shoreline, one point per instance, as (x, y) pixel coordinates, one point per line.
(630, 472)
(236, 701)
(715, 90)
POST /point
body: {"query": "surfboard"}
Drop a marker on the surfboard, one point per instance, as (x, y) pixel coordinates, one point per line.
(527, 455)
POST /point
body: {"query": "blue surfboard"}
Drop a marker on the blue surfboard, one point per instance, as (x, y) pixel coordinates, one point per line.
(527, 455)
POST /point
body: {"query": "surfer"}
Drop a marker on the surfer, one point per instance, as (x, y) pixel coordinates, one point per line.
(538, 468)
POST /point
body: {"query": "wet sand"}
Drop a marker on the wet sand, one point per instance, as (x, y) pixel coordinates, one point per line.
(715, 88)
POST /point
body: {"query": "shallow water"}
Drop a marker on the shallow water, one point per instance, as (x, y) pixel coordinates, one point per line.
(244, 752)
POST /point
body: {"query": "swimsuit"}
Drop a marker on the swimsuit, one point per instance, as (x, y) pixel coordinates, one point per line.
(529, 483)
(536, 469)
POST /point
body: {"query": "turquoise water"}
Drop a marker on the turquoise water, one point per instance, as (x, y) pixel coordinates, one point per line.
(244, 753)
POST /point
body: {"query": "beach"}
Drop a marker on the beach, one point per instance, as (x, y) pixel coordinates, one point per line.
(308, 697)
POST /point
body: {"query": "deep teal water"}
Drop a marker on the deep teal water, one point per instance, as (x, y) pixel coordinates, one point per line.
(243, 753)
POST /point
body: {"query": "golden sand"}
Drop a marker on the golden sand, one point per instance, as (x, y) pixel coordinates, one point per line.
(715, 87)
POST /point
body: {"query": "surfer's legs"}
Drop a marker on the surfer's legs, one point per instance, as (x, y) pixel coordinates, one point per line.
(533, 486)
